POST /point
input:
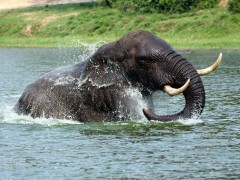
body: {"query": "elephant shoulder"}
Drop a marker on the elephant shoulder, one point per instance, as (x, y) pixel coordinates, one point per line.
(74, 70)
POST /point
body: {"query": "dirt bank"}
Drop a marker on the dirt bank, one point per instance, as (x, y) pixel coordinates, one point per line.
(13, 4)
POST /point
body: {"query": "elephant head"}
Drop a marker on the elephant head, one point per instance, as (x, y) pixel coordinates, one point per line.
(151, 64)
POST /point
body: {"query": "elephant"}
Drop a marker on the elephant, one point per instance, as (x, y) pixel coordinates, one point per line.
(98, 89)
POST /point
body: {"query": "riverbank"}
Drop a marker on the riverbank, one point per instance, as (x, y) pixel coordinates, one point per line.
(16, 4)
(70, 24)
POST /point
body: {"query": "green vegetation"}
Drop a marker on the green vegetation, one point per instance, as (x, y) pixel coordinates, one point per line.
(159, 6)
(234, 6)
(66, 25)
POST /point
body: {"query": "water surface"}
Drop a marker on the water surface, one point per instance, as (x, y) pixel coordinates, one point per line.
(51, 148)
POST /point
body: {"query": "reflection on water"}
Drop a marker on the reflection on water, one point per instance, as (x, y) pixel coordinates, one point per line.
(51, 148)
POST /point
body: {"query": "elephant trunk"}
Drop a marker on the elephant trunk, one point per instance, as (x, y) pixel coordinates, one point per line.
(194, 95)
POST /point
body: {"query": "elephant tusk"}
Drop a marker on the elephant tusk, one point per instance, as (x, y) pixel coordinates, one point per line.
(173, 91)
(210, 69)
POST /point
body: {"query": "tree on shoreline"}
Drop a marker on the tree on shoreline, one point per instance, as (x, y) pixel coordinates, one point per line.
(159, 6)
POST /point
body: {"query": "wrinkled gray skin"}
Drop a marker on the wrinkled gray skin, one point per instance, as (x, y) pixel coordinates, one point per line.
(95, 89)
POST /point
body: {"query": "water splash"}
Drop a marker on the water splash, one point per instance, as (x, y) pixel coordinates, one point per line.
(195, 119)
(89, 48)
(81, 52)
(137, 103)
(86, 48)
(64, 80)
(191, 121)
(7, 115)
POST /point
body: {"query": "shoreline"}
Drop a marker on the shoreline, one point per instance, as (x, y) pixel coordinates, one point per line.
(78, 46)
(76, 42)
(70, 25)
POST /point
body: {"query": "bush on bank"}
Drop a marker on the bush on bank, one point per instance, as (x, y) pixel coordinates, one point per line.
(234, 6)
(159, 6)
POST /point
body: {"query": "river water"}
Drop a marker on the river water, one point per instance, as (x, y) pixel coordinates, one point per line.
(207, 148)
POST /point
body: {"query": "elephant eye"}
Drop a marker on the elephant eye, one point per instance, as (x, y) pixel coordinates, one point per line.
(143, 63)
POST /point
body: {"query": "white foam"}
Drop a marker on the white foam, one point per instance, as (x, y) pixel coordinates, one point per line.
(7, 115)
(195, 119)
(191, 121)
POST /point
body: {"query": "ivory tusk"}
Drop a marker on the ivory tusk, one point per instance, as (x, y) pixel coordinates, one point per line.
(210, 69)
(173, 91)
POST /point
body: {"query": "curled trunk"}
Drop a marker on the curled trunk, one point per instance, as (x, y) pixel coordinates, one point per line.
(194, 95)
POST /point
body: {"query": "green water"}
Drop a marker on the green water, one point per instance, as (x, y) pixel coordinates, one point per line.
(207, 148)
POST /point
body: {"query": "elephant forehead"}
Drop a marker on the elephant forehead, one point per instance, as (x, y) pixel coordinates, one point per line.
(143, 39)
(160, 53)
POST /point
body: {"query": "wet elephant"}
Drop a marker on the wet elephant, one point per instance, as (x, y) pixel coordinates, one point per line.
(97, 89)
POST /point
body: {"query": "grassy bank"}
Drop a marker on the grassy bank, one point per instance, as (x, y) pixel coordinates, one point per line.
(66, 25)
